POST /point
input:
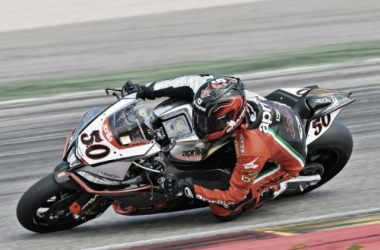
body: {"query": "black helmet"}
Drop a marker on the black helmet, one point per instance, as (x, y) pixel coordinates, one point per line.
(219, 107)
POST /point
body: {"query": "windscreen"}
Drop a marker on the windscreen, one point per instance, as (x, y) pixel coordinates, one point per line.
(128, 125)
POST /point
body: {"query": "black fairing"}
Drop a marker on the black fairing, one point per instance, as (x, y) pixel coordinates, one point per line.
(311, 101)
(299, 104)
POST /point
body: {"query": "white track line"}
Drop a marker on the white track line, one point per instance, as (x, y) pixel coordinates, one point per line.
(247, 75)
(52, 97)
(235, 229)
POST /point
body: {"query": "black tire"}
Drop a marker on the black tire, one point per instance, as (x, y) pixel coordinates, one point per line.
(47, 195)
(333, 150)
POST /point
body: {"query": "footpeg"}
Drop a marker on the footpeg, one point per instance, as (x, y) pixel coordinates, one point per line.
(300, 183)
(310, 179)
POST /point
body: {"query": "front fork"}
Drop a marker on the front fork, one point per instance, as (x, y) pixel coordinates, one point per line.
(86, 201)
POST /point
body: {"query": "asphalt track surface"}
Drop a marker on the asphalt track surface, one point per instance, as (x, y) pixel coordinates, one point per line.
(134, 43)
(33, 133)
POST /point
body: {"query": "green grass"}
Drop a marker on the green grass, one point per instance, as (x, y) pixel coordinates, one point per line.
(355, 247)
(315, 56)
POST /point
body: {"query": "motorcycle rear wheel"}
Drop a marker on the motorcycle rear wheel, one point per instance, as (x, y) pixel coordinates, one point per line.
(333, 150)
(44, 207)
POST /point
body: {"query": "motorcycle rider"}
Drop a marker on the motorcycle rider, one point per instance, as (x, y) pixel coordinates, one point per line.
(263, 131)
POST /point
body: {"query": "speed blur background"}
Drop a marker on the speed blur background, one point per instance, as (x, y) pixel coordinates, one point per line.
(56, 56)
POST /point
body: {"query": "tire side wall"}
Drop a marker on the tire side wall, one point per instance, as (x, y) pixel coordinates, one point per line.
(337, 136)
(339, 139)
(32, 200)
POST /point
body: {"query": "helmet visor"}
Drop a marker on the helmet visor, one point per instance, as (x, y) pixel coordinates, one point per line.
(204, 125)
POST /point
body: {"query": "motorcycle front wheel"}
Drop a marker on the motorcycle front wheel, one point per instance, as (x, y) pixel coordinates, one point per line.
(44, 207)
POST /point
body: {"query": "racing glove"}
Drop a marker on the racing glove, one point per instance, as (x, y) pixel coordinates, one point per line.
(141, 91)
(174, 187)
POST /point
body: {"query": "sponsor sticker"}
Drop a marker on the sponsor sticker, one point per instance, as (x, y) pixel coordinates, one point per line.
(106, 174)
(251, 165)
(107, 132)
(323, 100)
(198, 106)
(219, 202)
(242, 150)
(231, 124)
(252, 113)
(266, 118)
(246, 178)
(288, 120)
(252, 175)
(194, 152)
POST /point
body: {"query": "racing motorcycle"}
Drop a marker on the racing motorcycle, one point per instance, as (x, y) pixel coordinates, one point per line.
(118, 156)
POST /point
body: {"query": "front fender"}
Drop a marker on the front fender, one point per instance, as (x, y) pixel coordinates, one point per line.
(62, 177)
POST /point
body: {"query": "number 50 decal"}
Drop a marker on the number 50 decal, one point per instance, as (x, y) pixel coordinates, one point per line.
(94, 151)
(320, 125)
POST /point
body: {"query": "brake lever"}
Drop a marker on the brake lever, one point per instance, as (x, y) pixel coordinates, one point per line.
(113, 92)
